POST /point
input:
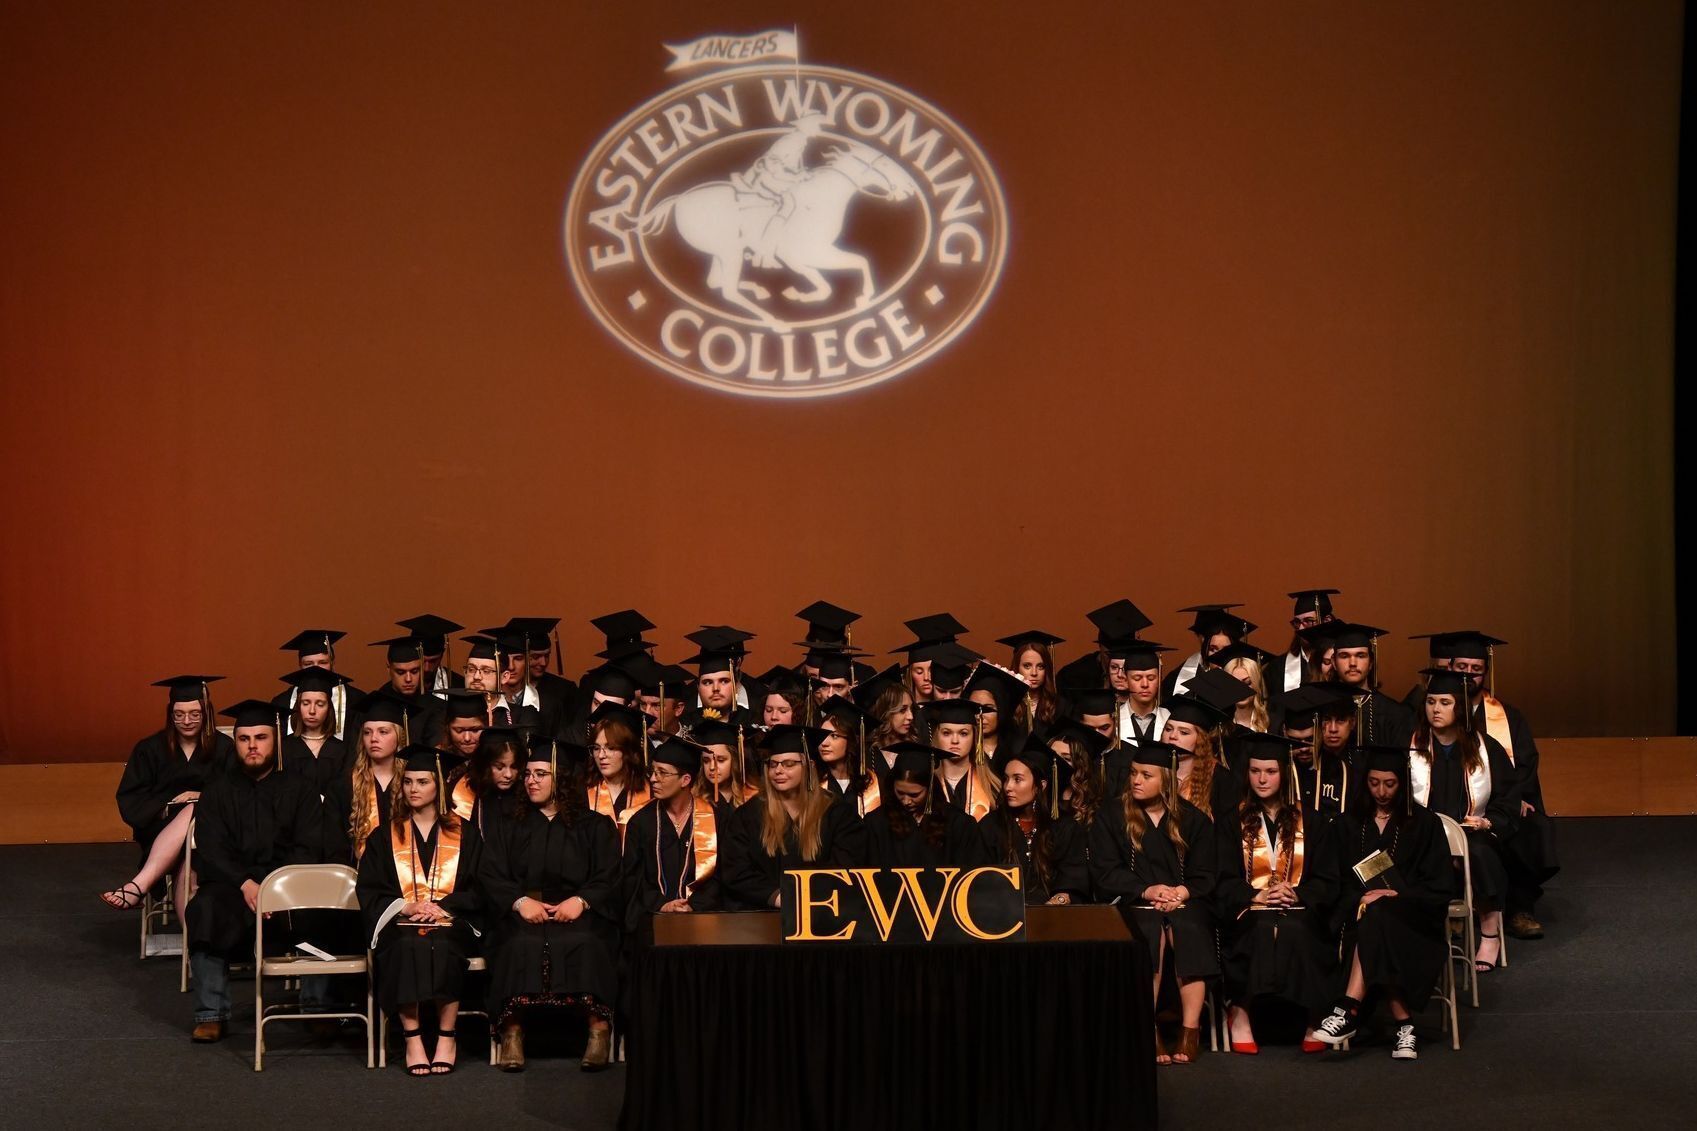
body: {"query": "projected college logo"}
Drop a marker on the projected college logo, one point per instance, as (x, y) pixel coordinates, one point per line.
(784, 230)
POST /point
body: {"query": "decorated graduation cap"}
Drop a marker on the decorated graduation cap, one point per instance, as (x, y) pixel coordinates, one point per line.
(623, 631)
(315, 679)
(679, 753)
(1138, 655)
(1316, 601)
(827, 625)
(788, 738)
(254, 713)
(1118, 621)
(188, 688)
(462, 704)
(1031, 636)
(313, 642)
(432, 631)
(401, 649)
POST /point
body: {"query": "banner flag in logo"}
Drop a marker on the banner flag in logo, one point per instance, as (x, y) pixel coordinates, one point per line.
(732, 50)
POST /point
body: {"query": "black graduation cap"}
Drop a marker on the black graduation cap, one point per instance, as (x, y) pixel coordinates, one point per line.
(1162, 754)
(402, 649)
(538, 632)
(1240, 650)
(1118, 620)
(1305, 702)
(1342, 634)
(1317, 601)
(938, 628)
(312, 642)
(419, 759)
(832, 664)
(952, 711)
(844, 708)
(1211, 618)
(1031, 636)
(611, 711)
(788, 738)
(915, 758)
(718, 732)
(867, 693)
(948, 677)
(1219, 689)
(1094, 742)
(463, 704)
(623, 631)
(572, 755)
(509, 640)
(720, 647)
(383, 706)
(655, 677)
(1139, 655)
(432, 630)
(187, 688)
(677, 752)
(1385, 760)
(826, 624)
(1090, 700)
(610, 680)
(1443, 681)
(1465, 643)
(1192, 709)
(1006, 688)
(253, 713)
(315, 679)
(482, 648)
(1259, 744)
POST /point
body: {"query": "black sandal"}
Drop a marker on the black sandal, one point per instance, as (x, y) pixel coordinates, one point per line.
(1479, 964)
(442, 1067)
(140, 897)
(414, 1069)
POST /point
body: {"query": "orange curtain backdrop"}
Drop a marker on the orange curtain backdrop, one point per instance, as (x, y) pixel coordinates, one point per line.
(1368, 295)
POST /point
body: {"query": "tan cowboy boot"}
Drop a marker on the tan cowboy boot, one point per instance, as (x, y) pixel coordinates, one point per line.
(599, 1050)
(511, 1056)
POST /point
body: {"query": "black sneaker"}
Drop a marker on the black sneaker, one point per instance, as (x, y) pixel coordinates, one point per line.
(1336, 1027)
(1404, 1048)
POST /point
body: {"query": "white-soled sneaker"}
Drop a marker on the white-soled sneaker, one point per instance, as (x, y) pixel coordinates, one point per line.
(1404, 1048)
(1336, 1027)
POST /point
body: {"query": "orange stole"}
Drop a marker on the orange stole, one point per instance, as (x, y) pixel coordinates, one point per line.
(978, 799)
(601, 800)
(1262, 868)
(463, 798)
(444, 866)
(703, 842)
(1496, 725)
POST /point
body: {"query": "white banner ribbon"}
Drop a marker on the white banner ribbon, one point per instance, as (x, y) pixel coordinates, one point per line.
(731, 50)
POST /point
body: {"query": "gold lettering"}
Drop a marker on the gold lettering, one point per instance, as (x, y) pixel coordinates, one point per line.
(963, 915)
(884, 916)
(806, 902)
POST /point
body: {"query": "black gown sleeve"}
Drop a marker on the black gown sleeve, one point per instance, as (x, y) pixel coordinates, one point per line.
(845, 836)
(1503, 809)
(1202, 856)
(1429, 878)
(378, 885)
(500, 866)
(637, 895)
(1111, 868)
(299, 822)
(601, 887)
(142, 794)
(1233, 893)
(1071, 869)
(744, 858)
(1318, 888)
(217, 837)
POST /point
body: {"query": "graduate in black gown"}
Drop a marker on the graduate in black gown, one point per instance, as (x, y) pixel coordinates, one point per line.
(316, 648)
(419, 899)
(1322, 716)
(1395, 883)
(1157, 853)
(671, 853)
(162, 781)
(1466, 776)
(361, 799)
(404, 658)
(310, 746)
(723, 779)
(1380, 720)
(1116, 623)
(1083, 750)
(432, 632)
(911, 831)
(964, 777)
(794, 823)
(1028, 827)
(844, 771)
(551, 884)
(489, 788)
(251, 820)
(1278, 882)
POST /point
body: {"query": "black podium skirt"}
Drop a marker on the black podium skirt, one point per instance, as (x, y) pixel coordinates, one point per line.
(1019, 1035)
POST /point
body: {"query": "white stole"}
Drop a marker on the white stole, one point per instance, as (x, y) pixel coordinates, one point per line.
(1478, 782)
(1187, 672)
(1293, 671)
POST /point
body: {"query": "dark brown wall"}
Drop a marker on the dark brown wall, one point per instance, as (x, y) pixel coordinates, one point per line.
(1376, 296)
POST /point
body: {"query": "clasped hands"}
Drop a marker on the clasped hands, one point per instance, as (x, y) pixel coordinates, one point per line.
(1163, 897)
(1277, 894)
(535, 911)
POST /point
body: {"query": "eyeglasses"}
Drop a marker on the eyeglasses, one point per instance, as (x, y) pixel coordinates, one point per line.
(188, 716)
(663, 775)
(538, 775)
(784, 765)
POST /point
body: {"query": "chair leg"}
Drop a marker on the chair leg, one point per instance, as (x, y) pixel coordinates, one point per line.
(1502, 944)
(370, 1016)
(258, 1025)
(383, 1039)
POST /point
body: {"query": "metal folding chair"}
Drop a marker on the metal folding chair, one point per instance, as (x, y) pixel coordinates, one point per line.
(303, 887)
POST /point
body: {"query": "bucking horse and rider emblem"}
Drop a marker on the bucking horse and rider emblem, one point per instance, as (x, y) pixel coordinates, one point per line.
(783, 214)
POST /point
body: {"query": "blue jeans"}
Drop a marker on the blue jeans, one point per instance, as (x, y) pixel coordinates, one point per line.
(211, 986)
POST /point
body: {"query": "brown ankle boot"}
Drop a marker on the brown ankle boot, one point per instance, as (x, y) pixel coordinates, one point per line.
(599, 1050)
(511, 1056)
(207, 1032)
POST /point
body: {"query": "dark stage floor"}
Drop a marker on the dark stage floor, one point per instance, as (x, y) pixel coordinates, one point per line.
(1596, 1025)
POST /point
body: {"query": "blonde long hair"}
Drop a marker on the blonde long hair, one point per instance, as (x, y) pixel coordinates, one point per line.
(1137, 822)
(1249, 672)
(362, 818)
(775, 824)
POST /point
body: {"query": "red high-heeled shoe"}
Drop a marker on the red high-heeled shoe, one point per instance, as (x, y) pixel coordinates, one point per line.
(1247, 1048)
